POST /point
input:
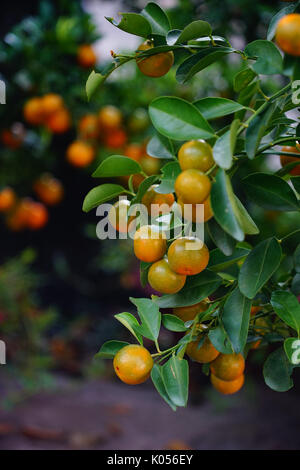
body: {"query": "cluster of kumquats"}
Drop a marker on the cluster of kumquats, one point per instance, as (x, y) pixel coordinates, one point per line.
(170, 266)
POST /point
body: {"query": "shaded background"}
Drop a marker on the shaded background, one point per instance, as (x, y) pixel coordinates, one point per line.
(60, 286)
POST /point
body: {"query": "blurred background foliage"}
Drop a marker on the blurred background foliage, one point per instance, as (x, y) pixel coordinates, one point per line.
(59, 285)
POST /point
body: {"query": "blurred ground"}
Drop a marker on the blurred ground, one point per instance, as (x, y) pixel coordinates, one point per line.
(104, 415)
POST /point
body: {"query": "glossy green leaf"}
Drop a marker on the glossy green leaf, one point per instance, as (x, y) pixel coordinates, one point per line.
(220, 340)
(169, 174)
(160, 147)
(287, 307)
(157, 18)
(270, 192)
(101, 194)
(131, 323)
(178, 119)
(220, 238)
(224, 147)
(218, 261)
(175, 375)
(194, 30)
(277, 371)
(109, 349)
(235, 318)
(133, 23)
(269, 59)
(246, 222)
(259, 266)
(257, 129)
(212, 108)
(224, 206)
(173, 323)
(243, 78)
(196, 288)
(156, 376)
(93, 82)
(296, 183)
(199, 61)
(150, 317)
(116, 165)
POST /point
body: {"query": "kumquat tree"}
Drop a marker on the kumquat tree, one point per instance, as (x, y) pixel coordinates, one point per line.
(216, 280)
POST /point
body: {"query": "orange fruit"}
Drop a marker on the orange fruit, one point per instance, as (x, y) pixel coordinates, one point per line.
(115, 138)
(149, 243)
(190, 213)
(34, 111)
(36, 215)
(110, 117)
(151, 199)
(155, 65)
(227, 387)
(48, 189)
(86, 56)
(203, 354)
(80, 153)
(228, 366)
(88, 127)
(133, 364)
(59, 121)
(192, 186)
(162, 279)
(196, 154)
(118, 216)
(285, 160)
(7, 199)
(133, 151)
(189, 313)
(51, 103)
(188, 255)
(287, 34)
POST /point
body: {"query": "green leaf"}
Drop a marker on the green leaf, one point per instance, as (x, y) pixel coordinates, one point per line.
(199, 61)
(290, 242)
(296, 183)
(160, 147)
(157, 18)
(156, 376)
(150, 317)
(172, 36)
(257, 129)
(224, 147)
(224, 206)
(259, 266)
(287, 307)
(196, 288)
(175, 375)
(116, 165)
(143, 187)
(273, 23)
(194, 30)
(109, 349)
(235, 317)
(221, 239)
(218, 261)
(131, 323)
(292, 350)
(133, 23)
(277, 371)
(178, 119)
(247, 223)
(220, 340)
(270, 192)
(173, 323)
(93, 82)
(243, 78)
(212, 108)
(269, 60)
(100, 194)
(169, 174)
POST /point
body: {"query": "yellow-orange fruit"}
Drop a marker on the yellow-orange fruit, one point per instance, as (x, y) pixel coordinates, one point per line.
(192, 186)
(227, 387)
(287, 34)
(203, 354)
(133, 364)
(80, 154)
(149, 244)
(188, 256)
(196, 154)
(162, 279)
(86, 56)
(228, 366)
(155, 65)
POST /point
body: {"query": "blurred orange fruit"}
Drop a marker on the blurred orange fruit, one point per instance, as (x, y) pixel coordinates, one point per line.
(80, 153)
(49, 189)
(110, 117)
(34, 111)
(7, 199)
(88, 127)
(86, 56)
(59, 121)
